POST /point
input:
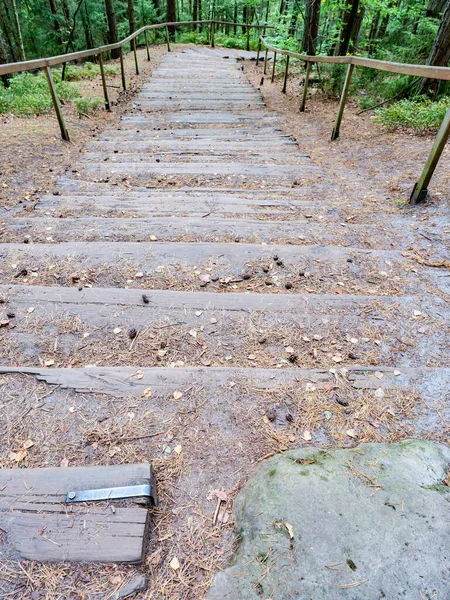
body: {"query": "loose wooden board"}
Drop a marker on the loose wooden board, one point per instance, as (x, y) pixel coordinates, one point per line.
(37, 524)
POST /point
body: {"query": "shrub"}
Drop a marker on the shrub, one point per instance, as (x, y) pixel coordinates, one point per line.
(420, 114)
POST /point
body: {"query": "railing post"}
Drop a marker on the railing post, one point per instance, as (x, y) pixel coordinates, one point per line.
(212, 34)
(344, 94)
(122, 69)
(248, 38)
(305, 88)
(135, 56)
(259, 50)
(273, 68)
(167, 38)
(146, 44)
(64, 133)
(285, 73)
(105, 89)
(265, 61)
(420, 190)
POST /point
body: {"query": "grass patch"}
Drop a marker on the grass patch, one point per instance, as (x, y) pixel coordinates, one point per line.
(28, 94)
(420, 114)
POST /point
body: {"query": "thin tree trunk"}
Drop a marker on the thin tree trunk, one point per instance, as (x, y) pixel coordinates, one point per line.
(195, 13)
(56, 23)
(71, 34)
(131, 17)
(311, 28)
(19, 31)
(235, 16)
(113, 36)
(356, 29)
(171, 16)
(350, 16)
(439, 55)
(87, 27)
(3, 61)
(66, 12)
(373, 33)
(4, 22)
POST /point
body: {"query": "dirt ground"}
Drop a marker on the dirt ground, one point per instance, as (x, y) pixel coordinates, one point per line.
(388, 162)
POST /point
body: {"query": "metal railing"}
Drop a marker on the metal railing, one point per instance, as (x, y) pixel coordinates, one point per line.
(420, 190)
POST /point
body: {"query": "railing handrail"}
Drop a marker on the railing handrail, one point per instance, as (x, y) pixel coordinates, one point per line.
(40, 63)
(427, 71)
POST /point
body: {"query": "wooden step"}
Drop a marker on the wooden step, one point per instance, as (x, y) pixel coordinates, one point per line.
(229, 267)
(247, 329)
(191, 229)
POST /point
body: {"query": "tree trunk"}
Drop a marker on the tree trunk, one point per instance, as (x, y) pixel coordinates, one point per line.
(356, 29)
(350, 17)
(66, 12)
(156, 7)
(434, 8)
(5, 25)
(87, 27)
(113, 36)
(131, 17)
(293, 19)
(439, 55)
(235, 16)
(171, 16)
(56, 23)
(19, 31)
(311, 29)
(3, 61)
(373, 33)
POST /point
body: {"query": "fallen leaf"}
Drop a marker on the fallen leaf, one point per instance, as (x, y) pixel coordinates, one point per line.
(213, 320)
(28, 444)
(351, 433)
(307, 436)
(290, 530)
(193, 333)
(117, 330)
(139, 374)
(31, 309)
(49, 363)
(64, 462)
(153, 238)
(174, 563)
(379, 393)
(177, 394)
(147, 392)
(178, 449)
(19, 456)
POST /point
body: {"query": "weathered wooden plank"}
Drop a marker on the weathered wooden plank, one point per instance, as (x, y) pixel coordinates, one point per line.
(41, 526)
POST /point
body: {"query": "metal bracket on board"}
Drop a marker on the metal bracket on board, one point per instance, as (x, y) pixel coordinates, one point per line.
(145, 491)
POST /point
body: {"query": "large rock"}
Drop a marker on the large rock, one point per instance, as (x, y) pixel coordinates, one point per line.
(368, 523)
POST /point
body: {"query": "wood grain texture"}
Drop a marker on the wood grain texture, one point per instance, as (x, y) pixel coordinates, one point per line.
(39, 525)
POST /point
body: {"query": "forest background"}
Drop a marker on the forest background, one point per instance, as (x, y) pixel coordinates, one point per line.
(411, 31)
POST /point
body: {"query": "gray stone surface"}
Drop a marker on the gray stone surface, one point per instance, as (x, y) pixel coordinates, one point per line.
(368, 523)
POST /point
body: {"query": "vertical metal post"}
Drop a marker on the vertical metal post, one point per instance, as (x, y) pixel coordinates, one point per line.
(305, 87)
(273, 68)
(105, 89)
(344, 94)
(285, 73)
(212, 34)
(135, 56)
(146, 44)
(122, 69)
(259, 50)
(167, 39)
(56, 105)
(265, 61)
(420, 190)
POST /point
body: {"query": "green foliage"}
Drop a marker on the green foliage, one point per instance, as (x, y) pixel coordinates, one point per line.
(29, 94)
(85, 106)
(419, 114)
